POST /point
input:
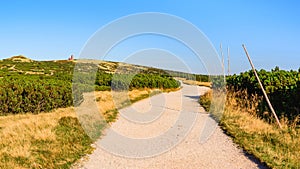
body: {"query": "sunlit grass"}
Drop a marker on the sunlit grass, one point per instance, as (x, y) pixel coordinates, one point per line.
(197, 83)
(32, 141)
(273, 146)
(55, 139)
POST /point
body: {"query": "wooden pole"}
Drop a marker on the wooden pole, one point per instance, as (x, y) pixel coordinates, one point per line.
(222, 55)
(262, 87)
(223, 65)
(228, 57)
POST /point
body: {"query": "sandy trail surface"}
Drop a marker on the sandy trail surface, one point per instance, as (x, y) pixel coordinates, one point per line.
(164, 131)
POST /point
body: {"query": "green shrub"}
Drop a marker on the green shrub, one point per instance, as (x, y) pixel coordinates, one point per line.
(22, 94)
(102, 88)
(57, 86)
(281, 86)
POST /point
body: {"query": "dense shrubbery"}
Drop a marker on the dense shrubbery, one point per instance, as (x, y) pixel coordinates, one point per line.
(282, 87)
(129, 82)
(276, 148)
(43, 86)
(188, 76)
(30, 94)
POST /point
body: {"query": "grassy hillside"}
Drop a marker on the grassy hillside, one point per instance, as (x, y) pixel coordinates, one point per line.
(41, 86)
(31, 138)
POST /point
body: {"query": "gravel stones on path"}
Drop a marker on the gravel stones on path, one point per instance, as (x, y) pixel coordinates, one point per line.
(163, 132)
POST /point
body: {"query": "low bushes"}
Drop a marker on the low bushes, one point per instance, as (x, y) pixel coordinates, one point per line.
(129, 82)
(282, 87)
(21, 94)
(43, 86)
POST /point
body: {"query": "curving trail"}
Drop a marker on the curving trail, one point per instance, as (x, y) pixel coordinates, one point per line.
(164, 131)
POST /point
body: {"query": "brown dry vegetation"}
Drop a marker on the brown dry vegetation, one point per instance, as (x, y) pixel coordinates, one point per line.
(194, 82)
(19, 58)
(19, 133)
(39, 141)
(108, 102)
(191, 82)
(273, 146)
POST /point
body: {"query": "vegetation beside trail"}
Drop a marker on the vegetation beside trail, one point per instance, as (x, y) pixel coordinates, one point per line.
(55, 139)
(282, 87)
(247, 121)
(32, 139)
(20, 94)
(47, 140)
(194, 82)
(109, 105)
(41, 86)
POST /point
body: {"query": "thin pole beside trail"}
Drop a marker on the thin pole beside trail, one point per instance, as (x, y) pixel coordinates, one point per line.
(262, 87)
(228, 60)
(223, 65)
(222, 55)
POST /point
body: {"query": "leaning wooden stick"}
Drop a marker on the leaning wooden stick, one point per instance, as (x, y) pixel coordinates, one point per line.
(262, 87)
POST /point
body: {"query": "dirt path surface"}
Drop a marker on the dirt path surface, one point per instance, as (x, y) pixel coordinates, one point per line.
(164, 131)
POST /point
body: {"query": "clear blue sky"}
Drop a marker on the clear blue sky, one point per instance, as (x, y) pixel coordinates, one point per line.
(54, 29)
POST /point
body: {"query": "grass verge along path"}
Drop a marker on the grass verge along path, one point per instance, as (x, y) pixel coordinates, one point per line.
(276, 148)
(52, 140)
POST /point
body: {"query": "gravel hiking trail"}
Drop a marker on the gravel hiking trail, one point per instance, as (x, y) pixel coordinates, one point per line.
(163, 132)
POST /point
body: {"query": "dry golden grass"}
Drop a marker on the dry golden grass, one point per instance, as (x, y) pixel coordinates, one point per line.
(104, 100)
(197, 83)
(108, 101)
(20, 58)
(273, 146)
(19, 131)
(27, 140)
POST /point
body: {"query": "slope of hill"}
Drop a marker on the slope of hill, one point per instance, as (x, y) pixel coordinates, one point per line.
(31, 138)
(39, 84)
(19, 58)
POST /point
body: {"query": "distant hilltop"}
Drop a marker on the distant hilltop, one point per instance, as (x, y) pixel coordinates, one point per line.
(19, 58)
